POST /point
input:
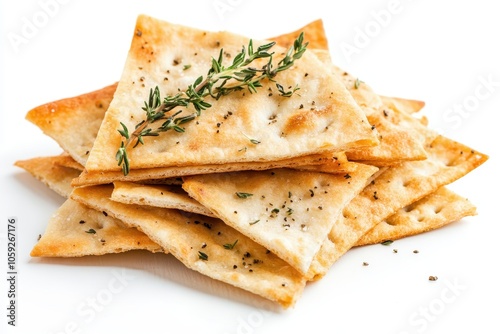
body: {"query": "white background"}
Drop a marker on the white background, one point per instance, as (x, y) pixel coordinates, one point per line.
(441, 53)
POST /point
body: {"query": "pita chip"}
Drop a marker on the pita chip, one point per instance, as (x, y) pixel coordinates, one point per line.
(161, 196)
(74, 122)
(431, 212)
(287, 211)
(394, 189)
(206, 245)
(75, 230)
(312, 122)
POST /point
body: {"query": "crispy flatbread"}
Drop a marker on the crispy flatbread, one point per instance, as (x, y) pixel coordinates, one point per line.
(45, 169)
(329, 163)
(287, 211)
(69, 231)
(431, 212)
(74, 122)
(198, 242)
(161, 196)
(74, 230)
(311, 122)
(394, 189)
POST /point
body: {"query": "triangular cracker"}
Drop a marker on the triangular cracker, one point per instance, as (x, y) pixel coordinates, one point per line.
(287, 211)
(74, 122)
(206, 245)
(53, 175)
(397, 187)
(431, 212)
(74, 229)
(312, 122)
(330, 163)
(161, 196)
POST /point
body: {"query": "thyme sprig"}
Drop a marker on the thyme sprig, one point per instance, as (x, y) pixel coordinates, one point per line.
(219, 81)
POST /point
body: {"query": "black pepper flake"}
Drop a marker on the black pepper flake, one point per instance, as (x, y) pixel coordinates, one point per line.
(82, 221)
(203, 245)
(105, 213)
(365, 264)
(433, 278)
(375, 195)
(415, 251)
(301, 106)
(312, 192)
(386, 113)
(247, 254)
(207, 225)
(138, 33)
(235, 266)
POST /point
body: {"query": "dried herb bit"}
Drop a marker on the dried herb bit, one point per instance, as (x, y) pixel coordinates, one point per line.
(254, 222)
(415, 251)
(231, 246)
(365, 264)
(357, 83)
(202, 256)
(91, 231)
(433, 278)
(243, 195)
(387, 242)
(219, 81)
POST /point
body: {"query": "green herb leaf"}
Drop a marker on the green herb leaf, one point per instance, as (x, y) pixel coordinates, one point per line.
(202, 256)
(243, 195)
(231, 246)
(91, 231)
(387, 242)
(357, 83)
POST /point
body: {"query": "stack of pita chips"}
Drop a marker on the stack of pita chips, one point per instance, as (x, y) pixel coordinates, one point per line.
(331, 167)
